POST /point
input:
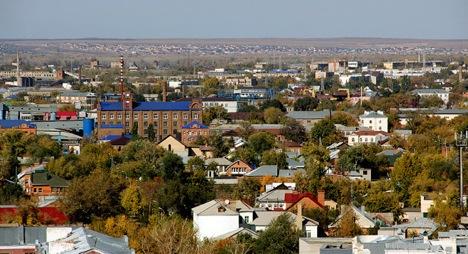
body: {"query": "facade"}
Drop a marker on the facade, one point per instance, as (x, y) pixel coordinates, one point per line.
(308, 118)
(192, 131)
(229, 105)
(441, 93)
(167, 117)
(238, 168)
(376, 121)
(19, 125)
(367, 137)
(82, 99)
(40, 183)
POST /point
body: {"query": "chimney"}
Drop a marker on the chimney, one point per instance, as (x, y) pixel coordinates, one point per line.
(299, 216)
(321, 197)
(164, 91)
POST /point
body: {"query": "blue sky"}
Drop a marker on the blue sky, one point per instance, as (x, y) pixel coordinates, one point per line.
(431, 19)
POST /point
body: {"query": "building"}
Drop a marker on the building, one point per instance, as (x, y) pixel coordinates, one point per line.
(367, 137)
(441, 93)
(308, 118)
(167, 118)
(230, 105)
(376, 121)
(193, 131)
(19, 125)
(40, 183)
(238, 168)
(240, 82)
(81, 99)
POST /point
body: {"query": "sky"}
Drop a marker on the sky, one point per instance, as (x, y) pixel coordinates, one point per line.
(49, 19)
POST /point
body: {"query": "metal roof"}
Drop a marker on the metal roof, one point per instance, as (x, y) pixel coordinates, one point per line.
(149, 106)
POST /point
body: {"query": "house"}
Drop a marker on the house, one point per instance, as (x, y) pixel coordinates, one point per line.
(274, 199)
(307, 200)
(238, 168)
(119, 143)
(230, 105)
(192, 131)
(376, 121)
(19, 125)
(441, 93)
(218, 217)
(360, 174)
(263, 218)
(421, 226)
(363, 219)
(367, 137)
(39, 182)
(309, 118)
(271, 170)
(66, 115)
(171, 144)
(221, 164)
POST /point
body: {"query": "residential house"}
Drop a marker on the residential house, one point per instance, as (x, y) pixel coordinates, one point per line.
(230, 105)
(363, 219)
(274, 199)
(360, 174)
(171, 144)
(376, 121)
(238, 168)
(308, 118)
(367, 137)
(221, 164)
(39, 182)
(271, 170)
(307, 200)
(263, 218)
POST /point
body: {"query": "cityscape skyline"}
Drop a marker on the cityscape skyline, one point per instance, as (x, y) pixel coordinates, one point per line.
(418, 19)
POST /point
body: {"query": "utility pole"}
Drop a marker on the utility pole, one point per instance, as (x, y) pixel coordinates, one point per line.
(461, 142)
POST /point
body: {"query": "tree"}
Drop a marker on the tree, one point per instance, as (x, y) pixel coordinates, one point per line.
(248, 155)
(171, 166)
(272, 115)
(406, 168)
(273, 158)
(96, 195)
(446, 215)
(316, 161)
(324, 132)
(247, 190)
(294, 131)
(12, 145)
(341, 117)
(261, 141)
(134, 131)
(306, 104)
(272, 103)
(281, 236)
(432, 101)
(210, 85)
(131, 200)
(347, 226)
(213, 113)
(151, 133)
(43, 147)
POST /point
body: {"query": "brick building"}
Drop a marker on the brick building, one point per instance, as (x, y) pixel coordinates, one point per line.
(192, 131)
(20, 125)
(167, 117)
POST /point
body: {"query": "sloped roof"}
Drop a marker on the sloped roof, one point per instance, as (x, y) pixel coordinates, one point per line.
(274, 195)
(194, 125)
(237, 232)
(293, 198)
(308, 114)
(220, 161)
(265, 218)
(120, 141)
(359, 213)
(46, 178)
(211, 208)
(265, 170)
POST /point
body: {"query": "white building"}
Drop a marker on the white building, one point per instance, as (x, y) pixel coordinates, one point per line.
(367, 137)
(441, 93)
(376, 121)
(231, 106)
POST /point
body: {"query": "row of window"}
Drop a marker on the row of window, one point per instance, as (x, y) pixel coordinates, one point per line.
(238, 170)
(146, 116)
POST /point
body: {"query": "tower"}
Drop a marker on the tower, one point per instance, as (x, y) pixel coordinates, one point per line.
(125, 98)
(18, 73)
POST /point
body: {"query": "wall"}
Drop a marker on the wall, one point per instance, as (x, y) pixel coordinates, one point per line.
(212, 226)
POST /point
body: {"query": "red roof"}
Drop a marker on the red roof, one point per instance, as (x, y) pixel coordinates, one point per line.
(66, 113)
(370, 133)
(292, 198)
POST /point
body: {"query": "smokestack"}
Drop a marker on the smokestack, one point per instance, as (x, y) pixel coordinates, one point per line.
(165, 91)
(321, 197)
(460, 74)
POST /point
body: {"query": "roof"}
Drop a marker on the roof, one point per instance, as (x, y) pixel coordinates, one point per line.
(83, 240)
(113, 137)
(237, 232)
(120, 141)
(220, 161)
(46, 178)
(265, 170)
(422, 223)
(111, 126)
(292, 198)
(7, 124)
(211, 208)
(358, 212)
(194, 125)
(274, 195)
(265, 218)
(309, 114)
(149, 106)
(372, 114)
(370, 133)
(429, 91)
(14, 236)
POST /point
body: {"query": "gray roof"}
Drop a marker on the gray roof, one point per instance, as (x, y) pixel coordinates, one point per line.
(83, 240)
(459, 111)
(212, 208)
(273, 195)
(265, 170)
(391, 152)
(265, 218)
(400, 245)
(237, 232)
(286, 172)
(453, 233)
(372, 114)
(422, 223)
(295, 163)
(220, 161)
(429, 91)
(14, 236)
(309, 114)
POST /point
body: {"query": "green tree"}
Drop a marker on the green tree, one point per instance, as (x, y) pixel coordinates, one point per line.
(210, 85)
(406, 168)
(272, 103)
(272, 115)
(151, 133)
(280, 237)
(273, 158)
(446, 215)
(261, 141)
(247, 190)
(341, 117)
(294, 131)
(213, 113)
(347, 226)
(324, 132)
(134, 131)
(432, 101)
(306, 104)
(131, 200)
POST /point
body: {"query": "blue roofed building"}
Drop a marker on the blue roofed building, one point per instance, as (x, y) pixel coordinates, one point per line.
(167, 118)
(20, 125)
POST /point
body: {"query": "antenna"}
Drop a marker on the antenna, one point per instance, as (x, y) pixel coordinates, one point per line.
(461, 142)
(18, 73)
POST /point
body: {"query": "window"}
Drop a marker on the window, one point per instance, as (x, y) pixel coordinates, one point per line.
(185, 116)
(127, 116)
(175, 115)
(195, 116)
(364, 172)
(165, 131)
(145, 116)
(103, 116)
(174, 124)
(119, 116)
(164, 124)
(155, 115)
(111, 116)
(165, 116)
(308, 234)
(370, 121)
(135, 115)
